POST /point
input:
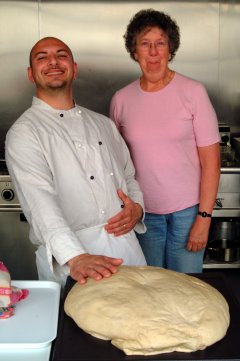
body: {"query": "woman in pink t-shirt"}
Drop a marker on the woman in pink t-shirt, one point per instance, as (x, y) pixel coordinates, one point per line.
(171, 129)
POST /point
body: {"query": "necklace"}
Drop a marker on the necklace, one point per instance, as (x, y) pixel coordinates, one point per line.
(169, 77)
(155, 86)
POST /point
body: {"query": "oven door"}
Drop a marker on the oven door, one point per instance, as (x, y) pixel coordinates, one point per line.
(16, 250)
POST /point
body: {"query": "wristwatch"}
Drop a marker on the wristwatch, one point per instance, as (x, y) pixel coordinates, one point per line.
(204, 214)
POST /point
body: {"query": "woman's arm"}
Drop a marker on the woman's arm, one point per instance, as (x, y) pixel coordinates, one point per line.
(210, 173)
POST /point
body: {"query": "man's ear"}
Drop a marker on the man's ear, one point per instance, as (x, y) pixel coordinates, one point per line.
(30, 74)
(75, 70)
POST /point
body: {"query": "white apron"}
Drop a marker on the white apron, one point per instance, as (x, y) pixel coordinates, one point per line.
(98, 242)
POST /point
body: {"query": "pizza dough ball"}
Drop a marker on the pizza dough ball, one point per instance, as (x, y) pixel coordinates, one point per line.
(150, 310)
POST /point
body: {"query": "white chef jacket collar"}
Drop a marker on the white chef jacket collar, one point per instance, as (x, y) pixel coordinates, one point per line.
(40, 103)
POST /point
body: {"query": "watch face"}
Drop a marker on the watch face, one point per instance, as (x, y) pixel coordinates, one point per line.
(204, 214)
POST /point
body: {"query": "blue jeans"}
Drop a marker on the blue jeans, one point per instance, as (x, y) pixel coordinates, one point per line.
(164, 243)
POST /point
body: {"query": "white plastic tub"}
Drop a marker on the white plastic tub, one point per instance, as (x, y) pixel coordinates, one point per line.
(29, 333)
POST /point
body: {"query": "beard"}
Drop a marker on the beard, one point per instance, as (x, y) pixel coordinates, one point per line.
(57, 84)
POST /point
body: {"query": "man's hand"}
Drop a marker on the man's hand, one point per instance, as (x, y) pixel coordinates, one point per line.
(124, 221)
(96, 267)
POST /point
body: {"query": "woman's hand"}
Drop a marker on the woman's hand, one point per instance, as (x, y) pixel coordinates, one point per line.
(198, 236)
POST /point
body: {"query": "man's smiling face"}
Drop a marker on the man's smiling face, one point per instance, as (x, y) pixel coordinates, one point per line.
(52, 65)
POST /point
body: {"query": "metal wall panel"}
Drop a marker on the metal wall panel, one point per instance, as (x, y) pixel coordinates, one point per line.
(18, 31)
(96, 36)
(209, 52)
(229, 63)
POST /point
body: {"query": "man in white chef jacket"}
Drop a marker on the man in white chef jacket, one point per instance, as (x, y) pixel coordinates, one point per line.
(74, 177)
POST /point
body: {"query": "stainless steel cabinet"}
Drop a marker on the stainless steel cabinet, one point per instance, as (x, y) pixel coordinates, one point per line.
(16, 250)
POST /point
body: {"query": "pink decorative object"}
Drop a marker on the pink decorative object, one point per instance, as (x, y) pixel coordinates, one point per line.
(9, 295)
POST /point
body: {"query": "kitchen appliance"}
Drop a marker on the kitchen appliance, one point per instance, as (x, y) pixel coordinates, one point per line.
(72, 343)
(225, 134)
(223, 246)
(226, 150)
(224, 250)
(16, 250)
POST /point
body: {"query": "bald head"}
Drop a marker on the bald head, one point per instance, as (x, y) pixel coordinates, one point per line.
(52, 69)
(48, 39)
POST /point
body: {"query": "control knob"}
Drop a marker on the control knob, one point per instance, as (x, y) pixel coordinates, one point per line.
(225, 138)
(7, 194)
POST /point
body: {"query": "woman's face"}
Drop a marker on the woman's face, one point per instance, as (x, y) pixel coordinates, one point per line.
(152, 53)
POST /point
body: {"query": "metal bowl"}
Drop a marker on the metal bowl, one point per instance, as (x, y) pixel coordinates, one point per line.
(224, 250)
(224, 229)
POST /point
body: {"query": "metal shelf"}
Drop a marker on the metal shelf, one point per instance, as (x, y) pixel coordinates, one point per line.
(222, 265)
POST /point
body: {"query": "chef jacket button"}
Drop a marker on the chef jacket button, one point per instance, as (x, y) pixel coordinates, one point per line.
(102, 211)
(100, 143)
(79, 145)
(61, 115)
(111, 173)
(79, 112)
(92, 177)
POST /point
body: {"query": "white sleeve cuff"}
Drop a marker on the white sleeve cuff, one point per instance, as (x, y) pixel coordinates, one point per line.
(64, 247)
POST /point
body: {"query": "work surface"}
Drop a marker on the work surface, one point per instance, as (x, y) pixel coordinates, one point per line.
(73, 344)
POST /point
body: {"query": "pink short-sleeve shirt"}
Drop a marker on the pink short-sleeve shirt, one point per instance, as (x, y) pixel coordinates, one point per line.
(163, 130)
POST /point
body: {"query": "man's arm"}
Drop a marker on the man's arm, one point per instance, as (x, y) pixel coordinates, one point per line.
(132, 214)
(35, 187)
(124, 221)
(92, 266)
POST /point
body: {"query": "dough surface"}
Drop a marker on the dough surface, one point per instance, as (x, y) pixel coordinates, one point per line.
(150, 310)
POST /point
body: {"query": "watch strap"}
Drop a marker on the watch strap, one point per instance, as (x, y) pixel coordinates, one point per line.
(204, 214)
